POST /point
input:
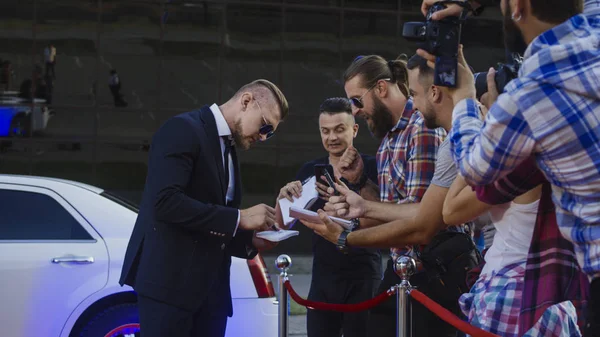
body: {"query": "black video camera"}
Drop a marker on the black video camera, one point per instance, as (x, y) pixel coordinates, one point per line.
(505, 72)
(440, 38)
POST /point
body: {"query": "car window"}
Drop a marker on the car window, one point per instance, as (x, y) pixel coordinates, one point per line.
(36, 216)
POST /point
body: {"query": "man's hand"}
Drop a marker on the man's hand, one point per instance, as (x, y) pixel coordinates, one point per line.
(465, 84)
(290, 190)
(351, 165)
(258, 218)
(348, 204)
(322, 190)
(328, 229)
(262, 244)
(451, 10)
(489, 98)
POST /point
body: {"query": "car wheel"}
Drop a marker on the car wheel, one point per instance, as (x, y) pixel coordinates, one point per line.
(20, 126)
(117, 321)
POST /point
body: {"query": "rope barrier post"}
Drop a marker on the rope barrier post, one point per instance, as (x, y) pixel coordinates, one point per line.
(283, 263)
(404, 267)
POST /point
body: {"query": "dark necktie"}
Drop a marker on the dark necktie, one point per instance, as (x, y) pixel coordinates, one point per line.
(228, 147)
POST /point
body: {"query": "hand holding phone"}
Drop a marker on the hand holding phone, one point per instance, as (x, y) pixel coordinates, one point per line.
(325, 170)
(331, 182)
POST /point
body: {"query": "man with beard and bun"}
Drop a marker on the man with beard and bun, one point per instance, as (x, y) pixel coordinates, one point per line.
(435, 105)
(378, 90)
(337, 277)
(189, 225)
(551, 112)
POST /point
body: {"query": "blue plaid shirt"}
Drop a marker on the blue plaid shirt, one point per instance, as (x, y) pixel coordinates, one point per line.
(591, 7)
(552, 111)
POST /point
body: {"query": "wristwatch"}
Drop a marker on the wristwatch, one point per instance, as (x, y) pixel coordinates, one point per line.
(341, 242)
(355, 187)
(355, 223)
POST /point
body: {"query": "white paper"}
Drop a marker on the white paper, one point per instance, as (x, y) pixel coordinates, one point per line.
(304, 214)
(276, 236)
(309, 192)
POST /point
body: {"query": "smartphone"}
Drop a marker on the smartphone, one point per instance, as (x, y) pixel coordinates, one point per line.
(327, 171)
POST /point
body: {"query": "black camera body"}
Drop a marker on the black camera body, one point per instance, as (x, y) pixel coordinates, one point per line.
(440, 38)
(505, 72)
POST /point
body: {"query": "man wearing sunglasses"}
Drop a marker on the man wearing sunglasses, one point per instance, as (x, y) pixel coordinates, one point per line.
(189, 225)
(406, 159)
(337, 277)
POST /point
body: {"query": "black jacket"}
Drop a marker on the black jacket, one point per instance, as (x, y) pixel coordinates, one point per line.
(181, 247)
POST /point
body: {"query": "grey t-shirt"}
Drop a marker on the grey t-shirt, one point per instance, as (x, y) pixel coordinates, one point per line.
(445, 170)
(444, 175)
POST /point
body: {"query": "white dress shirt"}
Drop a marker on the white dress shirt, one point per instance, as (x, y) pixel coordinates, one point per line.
(223, 130)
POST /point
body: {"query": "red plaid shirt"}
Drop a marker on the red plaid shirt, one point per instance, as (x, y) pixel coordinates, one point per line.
(552, 274)
(406, 160)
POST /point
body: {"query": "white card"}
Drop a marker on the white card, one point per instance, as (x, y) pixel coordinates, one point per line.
(304, 214)
(309, 192)
(276, 236)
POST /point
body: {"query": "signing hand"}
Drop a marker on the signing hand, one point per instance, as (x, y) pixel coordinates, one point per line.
(328, 229)
(465, 86)
(351, 165)
(348, 204)
(258, 218)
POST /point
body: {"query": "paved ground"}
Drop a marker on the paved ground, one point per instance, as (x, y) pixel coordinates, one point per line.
(298, 326)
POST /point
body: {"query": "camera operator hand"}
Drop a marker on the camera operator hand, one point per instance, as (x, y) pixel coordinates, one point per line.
(465, 84)
(451, 10)
(492, 94)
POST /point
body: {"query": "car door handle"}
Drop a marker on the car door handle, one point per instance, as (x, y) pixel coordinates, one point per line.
(76, 259)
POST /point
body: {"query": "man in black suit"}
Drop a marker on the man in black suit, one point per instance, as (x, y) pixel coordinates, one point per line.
(189, 225)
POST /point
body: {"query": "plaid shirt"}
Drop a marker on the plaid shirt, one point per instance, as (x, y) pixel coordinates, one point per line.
(591, 7)
(406, 160)
(552, 112)
(552, 275)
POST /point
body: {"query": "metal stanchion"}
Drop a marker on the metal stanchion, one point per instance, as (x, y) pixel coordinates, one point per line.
(283, 263)
(404, 267)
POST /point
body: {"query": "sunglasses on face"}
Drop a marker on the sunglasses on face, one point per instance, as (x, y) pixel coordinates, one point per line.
(357, 102)
(266, 130)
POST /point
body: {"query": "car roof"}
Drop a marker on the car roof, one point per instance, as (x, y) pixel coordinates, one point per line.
(39, 180)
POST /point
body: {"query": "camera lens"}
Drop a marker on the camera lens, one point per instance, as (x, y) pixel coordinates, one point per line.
(480, 84)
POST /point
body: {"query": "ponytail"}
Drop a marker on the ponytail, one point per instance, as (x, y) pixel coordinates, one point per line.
(373, 68)
(400, 73)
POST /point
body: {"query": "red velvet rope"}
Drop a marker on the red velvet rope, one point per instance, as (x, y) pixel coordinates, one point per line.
(449, 317)
(338, 307)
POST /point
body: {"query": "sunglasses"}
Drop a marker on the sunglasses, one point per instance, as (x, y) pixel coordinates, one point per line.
(266, 130)
(357, 102)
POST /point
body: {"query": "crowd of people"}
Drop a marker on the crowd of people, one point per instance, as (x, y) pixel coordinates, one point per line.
(525, 162)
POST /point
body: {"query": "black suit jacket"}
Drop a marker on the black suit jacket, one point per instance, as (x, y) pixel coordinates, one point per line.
(181, 247)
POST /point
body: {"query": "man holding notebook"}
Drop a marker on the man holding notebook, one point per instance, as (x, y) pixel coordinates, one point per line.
(337, 277)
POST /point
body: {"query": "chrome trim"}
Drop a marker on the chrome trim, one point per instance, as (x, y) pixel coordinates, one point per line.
(76, 259)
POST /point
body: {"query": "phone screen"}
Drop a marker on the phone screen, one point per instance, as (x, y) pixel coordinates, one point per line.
(320, 171)
(327, 171)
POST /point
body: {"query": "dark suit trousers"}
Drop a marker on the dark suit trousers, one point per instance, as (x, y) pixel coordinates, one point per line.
(158, 319)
